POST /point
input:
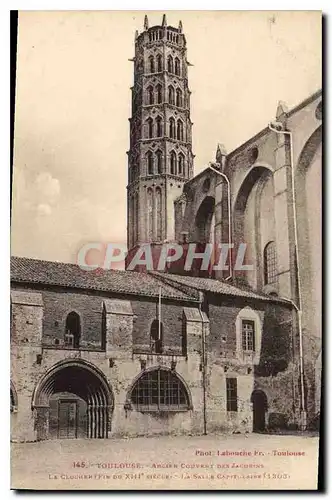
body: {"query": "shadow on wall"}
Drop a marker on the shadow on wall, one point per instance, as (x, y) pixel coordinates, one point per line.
(276, 352)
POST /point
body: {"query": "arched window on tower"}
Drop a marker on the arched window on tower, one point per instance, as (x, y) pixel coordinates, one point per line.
(156, 337)
(151, 64)
(171, 95)
(270, 263)
(149, 162)
(179, 98)
(159, 63)
(172, 128)
(159, 126)
(179, 133)
(150, 95)
(170, 64)
(73, 330)
(173, 163)
(150, 215)
(177, 66)
(149, 122)
(159, 93)
(158, 213)
(181, 164)
(159, 157)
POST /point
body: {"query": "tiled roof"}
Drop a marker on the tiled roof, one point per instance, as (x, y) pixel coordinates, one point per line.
(214, 286)
(33, 271)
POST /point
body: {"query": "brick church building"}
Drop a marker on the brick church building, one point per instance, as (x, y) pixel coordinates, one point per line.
(140, 353)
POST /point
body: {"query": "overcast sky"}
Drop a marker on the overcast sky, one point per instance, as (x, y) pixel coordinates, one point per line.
(73, 103)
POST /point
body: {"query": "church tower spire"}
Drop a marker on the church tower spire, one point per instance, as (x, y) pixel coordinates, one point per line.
(160, 158)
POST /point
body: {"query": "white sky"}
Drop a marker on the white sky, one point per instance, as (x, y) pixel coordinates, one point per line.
(73, 104)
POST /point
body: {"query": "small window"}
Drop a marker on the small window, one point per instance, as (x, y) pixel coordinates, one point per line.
(173, 163)
(180, 130)
(171, 95)
(156, 337)
(159, 94)
(149, 160)
(159, 63)
(13, 403)
(172, 128)
(159, 390)
(159, 157)
(270, 263)
(181, 164)
(73, 330)
(179, 98)
(150, 95)
(177, 66)
(248, 335)
(151, 64)
(231, 393)
(150, 127)
(170, 64)
(159, 126)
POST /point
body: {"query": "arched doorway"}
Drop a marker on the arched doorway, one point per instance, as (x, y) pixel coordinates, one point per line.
(73, 400)
(259, 406)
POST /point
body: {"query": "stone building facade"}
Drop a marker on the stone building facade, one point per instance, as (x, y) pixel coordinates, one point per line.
(267, 194)
(103, 353)
(87, 360)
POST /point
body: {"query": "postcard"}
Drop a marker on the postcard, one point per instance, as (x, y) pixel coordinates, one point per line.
(166, 251)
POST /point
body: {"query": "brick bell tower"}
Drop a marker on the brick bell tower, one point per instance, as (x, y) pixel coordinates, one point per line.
(160, 159)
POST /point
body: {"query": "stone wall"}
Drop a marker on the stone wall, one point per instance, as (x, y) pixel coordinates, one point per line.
(126, 356)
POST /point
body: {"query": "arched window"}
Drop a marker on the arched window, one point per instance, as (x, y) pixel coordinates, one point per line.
(149, 162)
(179, 130)
(171, 95)
(173, 163)
(179, 98)
(159, 63)
(159, 126)
(159, 93)
(177, 66)
(150, 95)
(158, 214)
(156, 337)
(181, 164)
(149, 122)
(159, 390)
(159, 157)
(151, 64)
(172, 128)
(150, 214)
(170, 64)
(270, 263)
(73, 330)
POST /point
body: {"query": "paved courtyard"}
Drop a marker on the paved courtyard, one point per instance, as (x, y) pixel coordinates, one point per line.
(254, 461)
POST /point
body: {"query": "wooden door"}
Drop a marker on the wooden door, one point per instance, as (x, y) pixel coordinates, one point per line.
(67, 411)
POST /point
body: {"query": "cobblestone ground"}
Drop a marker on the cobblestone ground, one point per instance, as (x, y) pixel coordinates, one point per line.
(200, 462)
